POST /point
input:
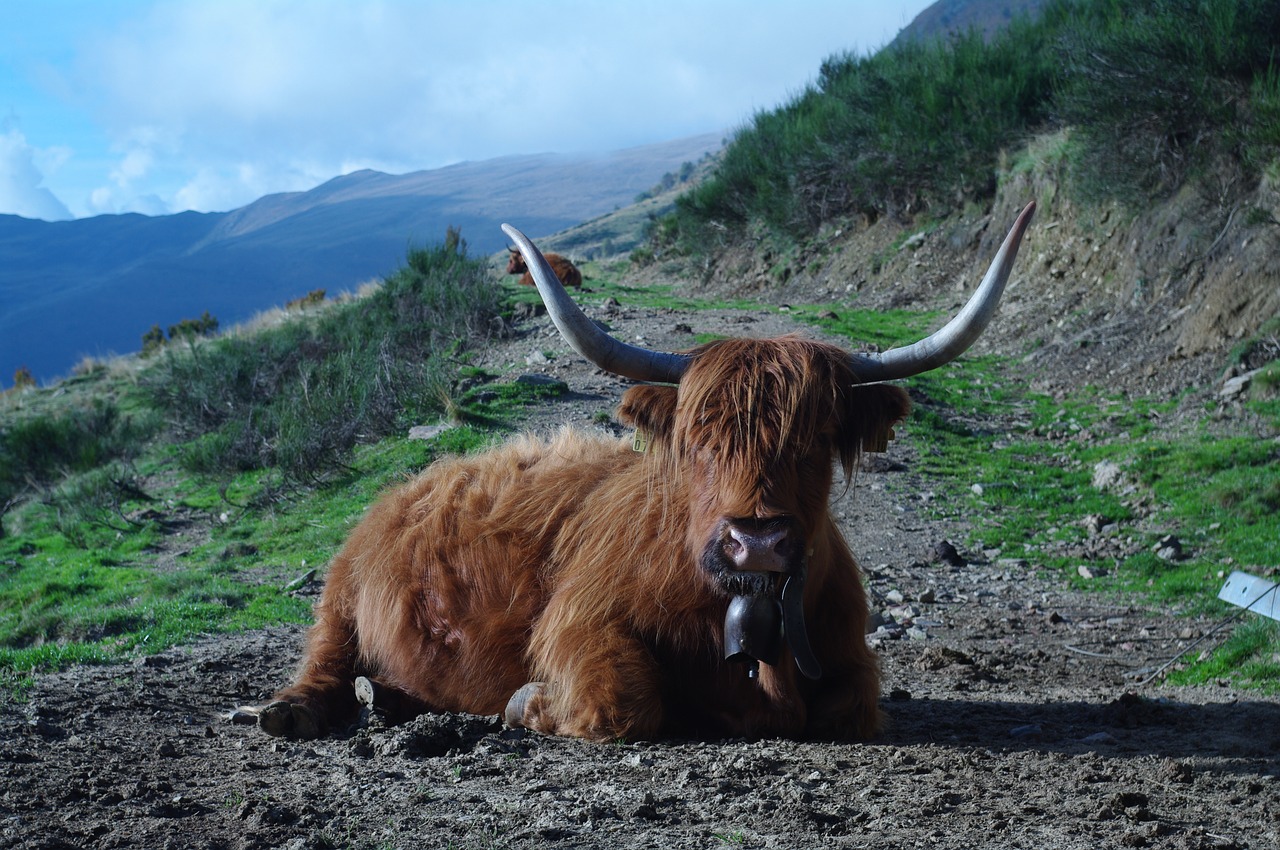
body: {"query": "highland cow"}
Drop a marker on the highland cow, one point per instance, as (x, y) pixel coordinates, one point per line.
(579, 587)
(566, 272)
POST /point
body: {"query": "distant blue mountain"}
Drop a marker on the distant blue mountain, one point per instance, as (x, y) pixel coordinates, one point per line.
(94, 286)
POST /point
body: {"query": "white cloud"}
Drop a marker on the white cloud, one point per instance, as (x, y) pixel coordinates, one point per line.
(20, 179)
(219, 100)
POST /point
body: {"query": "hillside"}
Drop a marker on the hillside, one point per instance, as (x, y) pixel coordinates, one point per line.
(93, 287)
(947, 17)
(1156, 301)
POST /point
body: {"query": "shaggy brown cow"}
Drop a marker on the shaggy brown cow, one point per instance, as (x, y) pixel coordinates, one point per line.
(565, 271)
(583, 588)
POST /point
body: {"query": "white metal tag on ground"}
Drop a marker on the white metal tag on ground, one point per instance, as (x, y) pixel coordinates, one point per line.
(1256, 594)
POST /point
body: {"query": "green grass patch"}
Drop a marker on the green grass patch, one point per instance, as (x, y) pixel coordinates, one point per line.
(1250, 658)
(91, 591)
(605, 285)
(1020, 467)
(59, 605)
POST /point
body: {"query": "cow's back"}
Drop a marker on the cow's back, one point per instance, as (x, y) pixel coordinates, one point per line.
(446, 574)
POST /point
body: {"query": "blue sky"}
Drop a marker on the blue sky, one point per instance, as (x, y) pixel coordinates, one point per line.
(111, 106)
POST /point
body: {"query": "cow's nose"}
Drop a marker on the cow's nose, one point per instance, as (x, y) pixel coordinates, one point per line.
(755, 548)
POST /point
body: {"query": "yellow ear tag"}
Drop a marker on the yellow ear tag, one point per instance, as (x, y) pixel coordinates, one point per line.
(879, 443)
(640, 442)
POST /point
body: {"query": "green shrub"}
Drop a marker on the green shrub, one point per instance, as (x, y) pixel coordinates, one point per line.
(311, 299)
(913, 125)
(23, 379)
(300, 396)
(37, 452)
(152, 340)
(1155, 92)
(42, 449)
(206, 325)
(1163, 90)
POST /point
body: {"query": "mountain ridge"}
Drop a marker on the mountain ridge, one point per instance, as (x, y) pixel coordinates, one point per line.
(92, 287)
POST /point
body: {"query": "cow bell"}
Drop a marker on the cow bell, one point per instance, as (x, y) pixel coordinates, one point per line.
(755, 626)
(753, 631)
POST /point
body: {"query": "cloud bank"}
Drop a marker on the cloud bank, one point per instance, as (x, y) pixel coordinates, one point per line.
(210, 105)
(21, 192)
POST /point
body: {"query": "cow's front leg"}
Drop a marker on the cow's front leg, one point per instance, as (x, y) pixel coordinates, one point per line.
(847, 703)
(600, 684)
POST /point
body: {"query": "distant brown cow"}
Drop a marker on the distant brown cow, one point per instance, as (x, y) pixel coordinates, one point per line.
(565, 271)
(700, 587)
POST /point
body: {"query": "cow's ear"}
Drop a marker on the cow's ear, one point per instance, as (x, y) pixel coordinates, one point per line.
(871, 411)
(649, 408)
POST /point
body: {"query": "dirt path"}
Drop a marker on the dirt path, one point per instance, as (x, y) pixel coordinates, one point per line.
(1015, 721)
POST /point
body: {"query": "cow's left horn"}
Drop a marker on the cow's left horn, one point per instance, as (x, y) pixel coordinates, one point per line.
(612, 355)
(950, 341)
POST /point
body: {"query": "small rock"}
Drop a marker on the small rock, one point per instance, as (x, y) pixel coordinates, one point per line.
(1099, 738)
(1169, 548)
(536, 358)
(1085, 572)
(895, 597)
(940, 657)
(977, 489)
(427, 432)
(928, 596)
(903, 613)
(1027, 732)
(945, 552)
(1107, 475)
(1236, 387)
(877, 619)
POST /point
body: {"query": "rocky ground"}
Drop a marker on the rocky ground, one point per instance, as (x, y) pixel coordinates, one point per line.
(1020, 716)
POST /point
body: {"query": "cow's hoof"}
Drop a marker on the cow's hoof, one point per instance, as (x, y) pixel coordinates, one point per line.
(289, 720)
(518, 705)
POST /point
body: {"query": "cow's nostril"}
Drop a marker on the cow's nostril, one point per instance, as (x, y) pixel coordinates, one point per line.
(756, 548)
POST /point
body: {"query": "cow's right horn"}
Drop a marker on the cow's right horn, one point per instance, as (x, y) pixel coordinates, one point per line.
(950, 341)
(612, 355)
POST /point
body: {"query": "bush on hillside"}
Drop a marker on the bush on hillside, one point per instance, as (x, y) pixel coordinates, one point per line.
(913, 125)
(1160, 91)
(186, 329)
(37, 452)
(298, 397)
(1156, 92)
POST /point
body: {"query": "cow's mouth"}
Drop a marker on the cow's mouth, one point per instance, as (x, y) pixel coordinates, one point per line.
(760, 566)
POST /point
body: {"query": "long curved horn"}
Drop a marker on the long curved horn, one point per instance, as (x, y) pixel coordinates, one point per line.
(612, 355)
(950, 341)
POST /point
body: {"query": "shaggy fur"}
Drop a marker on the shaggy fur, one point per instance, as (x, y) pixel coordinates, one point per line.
(575, 562)
(565, 270)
